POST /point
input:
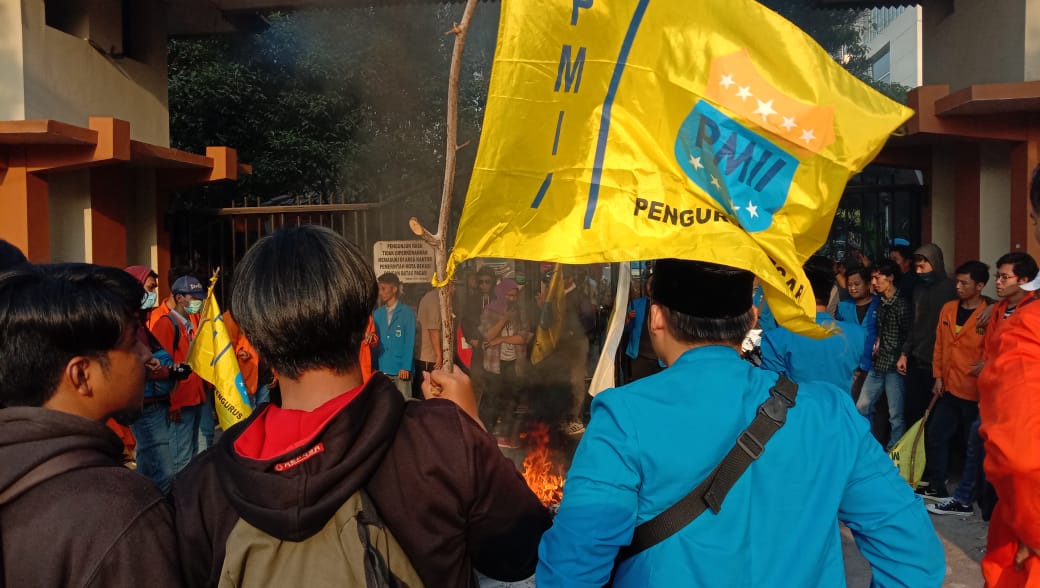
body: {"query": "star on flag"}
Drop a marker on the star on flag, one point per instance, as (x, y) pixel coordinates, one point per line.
(765, 110)
(696, 163)
(752, 209)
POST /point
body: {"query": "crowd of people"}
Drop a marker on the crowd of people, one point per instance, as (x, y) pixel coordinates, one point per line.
(339, 477)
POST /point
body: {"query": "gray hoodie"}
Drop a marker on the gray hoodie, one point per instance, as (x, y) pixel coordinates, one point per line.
(928, 300)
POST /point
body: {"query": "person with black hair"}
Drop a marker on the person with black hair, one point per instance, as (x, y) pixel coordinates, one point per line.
(906, 280)
(831, 359)
(958, 348)
(933, 290)
(1010, 430)
(70, 359)
(11, 257)
(284, 476)
(651, 441)
(893, 320)
(861, 308)
(396, 327)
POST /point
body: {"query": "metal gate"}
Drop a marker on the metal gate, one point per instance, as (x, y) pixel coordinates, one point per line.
(878, 205)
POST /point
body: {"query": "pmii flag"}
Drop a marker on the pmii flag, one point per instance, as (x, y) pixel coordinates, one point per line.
(212, 357)
(711, 130)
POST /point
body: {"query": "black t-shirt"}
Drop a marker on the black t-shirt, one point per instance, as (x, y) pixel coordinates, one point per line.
(963, 314)
(861, 311)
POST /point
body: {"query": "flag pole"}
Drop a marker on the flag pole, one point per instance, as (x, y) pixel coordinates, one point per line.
(438, 241)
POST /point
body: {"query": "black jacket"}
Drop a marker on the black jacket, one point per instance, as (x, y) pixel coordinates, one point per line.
(100, 526)
(450, 497)
(928, 300)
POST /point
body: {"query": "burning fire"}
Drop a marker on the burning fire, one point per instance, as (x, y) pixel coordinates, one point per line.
(544, 477)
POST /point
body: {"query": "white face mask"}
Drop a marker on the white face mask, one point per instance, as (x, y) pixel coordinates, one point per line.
(149, 301)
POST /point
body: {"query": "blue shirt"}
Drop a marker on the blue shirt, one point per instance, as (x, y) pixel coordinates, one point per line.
(804, 359)
(847, 312)
(649, 443)
(396, 339)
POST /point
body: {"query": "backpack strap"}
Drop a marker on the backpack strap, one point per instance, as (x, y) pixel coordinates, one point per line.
(55, 466)
(176, 333)
(710, 493)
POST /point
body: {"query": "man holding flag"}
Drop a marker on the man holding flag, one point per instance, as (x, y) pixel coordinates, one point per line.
(713, 131)
(213, 358)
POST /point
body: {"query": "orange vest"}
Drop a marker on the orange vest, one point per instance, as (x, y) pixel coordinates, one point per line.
(956, 353)
(365, 355)
(190, 391)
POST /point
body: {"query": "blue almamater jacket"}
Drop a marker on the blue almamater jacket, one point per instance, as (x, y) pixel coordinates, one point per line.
(652, 441)
(396, 339)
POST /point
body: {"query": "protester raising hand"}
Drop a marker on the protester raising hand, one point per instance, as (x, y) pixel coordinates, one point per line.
(454, 386)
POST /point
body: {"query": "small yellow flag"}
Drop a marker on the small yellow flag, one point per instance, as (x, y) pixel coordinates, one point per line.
(550, 324)
(711, 130)
(212, 357)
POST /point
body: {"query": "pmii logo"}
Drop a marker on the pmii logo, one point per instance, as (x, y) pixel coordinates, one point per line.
(748, 174)
(745, 173)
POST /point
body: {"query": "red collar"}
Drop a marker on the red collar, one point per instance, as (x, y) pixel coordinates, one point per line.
(277, 431)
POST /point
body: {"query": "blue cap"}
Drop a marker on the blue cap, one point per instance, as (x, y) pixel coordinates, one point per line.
(901, 241)
(188, 285)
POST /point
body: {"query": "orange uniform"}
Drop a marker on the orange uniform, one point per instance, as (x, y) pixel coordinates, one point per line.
(190, 391)
(164, 308)
(1009, 408)
(250, 368)
(367, 345)
(957, 351)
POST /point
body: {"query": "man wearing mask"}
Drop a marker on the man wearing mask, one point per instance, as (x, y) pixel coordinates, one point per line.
(933, 290)
(175, 332)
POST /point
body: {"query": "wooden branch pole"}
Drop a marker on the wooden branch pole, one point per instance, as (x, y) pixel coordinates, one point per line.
(438, 240)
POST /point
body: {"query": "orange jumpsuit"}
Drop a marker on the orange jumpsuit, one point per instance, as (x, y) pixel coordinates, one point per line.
(1009, 408)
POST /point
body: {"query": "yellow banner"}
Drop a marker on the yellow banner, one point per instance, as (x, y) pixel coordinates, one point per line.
(712, 130)
(212, 357)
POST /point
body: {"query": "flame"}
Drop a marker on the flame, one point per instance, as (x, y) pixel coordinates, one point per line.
(544, 477)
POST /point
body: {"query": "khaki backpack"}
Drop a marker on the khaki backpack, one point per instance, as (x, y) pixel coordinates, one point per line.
(355, 548)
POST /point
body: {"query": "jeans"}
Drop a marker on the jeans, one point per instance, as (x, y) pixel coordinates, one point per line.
(184, 436)
(950, 415)
(403, 386)
(207, 422)
(263, 394)
(892, 385)
(918, 390)
(973, 475)
(152, 431)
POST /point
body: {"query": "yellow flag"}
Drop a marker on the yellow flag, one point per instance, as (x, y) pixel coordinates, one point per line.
(212, 357)
(550, 324)
(711, 130)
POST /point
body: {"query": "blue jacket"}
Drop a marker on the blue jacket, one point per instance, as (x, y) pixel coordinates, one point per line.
(396, 340)
(804, 359)
(650, 442)
(847, 312)
(635, 327)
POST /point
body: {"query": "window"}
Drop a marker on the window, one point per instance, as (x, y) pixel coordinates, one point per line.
(880, 66)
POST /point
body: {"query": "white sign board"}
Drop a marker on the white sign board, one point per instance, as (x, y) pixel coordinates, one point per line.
(411, 260)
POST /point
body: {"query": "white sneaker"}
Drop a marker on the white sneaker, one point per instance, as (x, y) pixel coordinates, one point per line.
(572, 428)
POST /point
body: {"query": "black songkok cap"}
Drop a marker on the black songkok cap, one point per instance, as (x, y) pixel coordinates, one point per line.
(701, 289)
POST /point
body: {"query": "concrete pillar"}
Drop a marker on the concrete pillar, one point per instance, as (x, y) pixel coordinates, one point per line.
(24, 202)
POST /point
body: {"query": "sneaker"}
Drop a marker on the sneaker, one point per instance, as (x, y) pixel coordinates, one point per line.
(937, 494)
(572, 428)
(950, 506)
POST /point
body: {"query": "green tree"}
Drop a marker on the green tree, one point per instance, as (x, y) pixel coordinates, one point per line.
(840, 33)
(331, 106)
